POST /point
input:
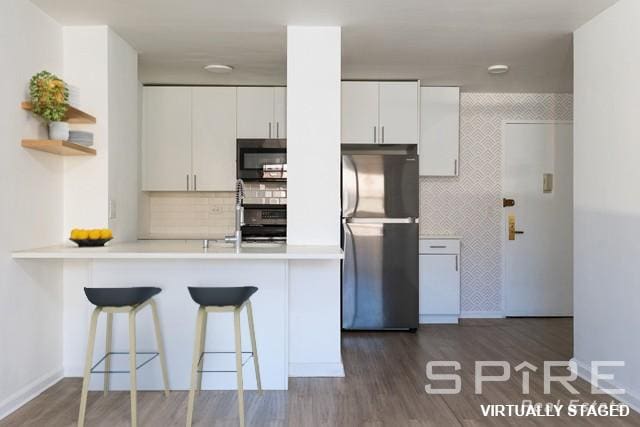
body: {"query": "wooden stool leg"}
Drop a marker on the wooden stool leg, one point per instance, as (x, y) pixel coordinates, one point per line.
(87, 365)
(132, 367)
(236, 315)
(194, 365)
(160, 345)
(203, 340)
(107, 361)
(254, 347)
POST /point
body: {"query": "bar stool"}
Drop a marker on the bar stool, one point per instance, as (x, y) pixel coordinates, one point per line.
(121, 300)
(222, 299)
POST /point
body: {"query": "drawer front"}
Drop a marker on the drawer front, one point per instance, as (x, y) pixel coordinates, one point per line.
(440, 246)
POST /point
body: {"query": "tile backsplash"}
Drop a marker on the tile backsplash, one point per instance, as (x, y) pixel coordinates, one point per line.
(267, 193)
(197, 215)
(187, 215)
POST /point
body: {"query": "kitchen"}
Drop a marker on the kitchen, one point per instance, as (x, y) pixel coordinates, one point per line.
(347, 215)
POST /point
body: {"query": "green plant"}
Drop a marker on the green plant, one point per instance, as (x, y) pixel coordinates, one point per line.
(49, 96)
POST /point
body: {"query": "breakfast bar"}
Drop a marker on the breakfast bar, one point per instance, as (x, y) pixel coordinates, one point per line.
(298, 293)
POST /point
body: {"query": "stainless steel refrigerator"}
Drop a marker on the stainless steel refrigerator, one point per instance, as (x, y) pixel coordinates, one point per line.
(380, 237)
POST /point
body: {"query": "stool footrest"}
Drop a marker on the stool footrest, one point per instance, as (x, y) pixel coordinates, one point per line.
(201, 361)
(153, 354)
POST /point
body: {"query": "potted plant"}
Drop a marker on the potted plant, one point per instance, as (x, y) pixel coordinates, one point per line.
(49, 99)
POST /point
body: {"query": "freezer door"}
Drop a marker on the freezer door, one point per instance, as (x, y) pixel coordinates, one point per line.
(380, 276)
(379, 186)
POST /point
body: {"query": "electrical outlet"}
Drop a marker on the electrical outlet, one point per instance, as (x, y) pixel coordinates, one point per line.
(112, 209)
(216, 210)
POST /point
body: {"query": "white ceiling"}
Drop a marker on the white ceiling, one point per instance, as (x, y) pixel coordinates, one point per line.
(441, 42)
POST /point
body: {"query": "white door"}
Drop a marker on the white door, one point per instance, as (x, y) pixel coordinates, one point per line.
(360, 113)
(538, 177)
(280, 112)
(399, 115)
(439, 284)
(255, 112)
(439, 131)
(166, 139)
(214, 138)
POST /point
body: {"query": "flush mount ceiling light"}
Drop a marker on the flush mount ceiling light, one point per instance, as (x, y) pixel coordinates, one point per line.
(498, 69)
(218, 68)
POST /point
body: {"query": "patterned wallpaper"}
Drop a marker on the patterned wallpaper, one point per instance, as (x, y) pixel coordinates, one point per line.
(470, 205)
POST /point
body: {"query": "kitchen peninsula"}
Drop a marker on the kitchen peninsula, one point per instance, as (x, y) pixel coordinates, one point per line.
(297, 307)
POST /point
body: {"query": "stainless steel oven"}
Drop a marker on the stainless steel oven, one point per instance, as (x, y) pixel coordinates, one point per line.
(262, 159)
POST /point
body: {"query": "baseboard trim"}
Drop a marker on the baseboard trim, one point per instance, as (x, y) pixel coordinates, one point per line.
(438, 319)
(316, 370)
(29, 392)
(631, 397)
(482, 315)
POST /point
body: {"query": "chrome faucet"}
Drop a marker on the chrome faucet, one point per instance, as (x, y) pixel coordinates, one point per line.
(237, 235)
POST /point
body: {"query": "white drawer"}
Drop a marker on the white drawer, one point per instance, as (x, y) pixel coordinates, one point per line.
(439, 246)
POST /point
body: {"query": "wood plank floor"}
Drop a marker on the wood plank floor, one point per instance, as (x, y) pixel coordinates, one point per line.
(384, 386)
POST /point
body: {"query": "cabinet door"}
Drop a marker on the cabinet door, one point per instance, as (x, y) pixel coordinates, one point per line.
(280, 112)
(166, 138)
(360, 113)
(255, 112)
(439, 284)
(440, 131)
(399, 116)
(214, 138)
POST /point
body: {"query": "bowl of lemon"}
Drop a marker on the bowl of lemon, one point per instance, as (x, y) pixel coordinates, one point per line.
(94, 237)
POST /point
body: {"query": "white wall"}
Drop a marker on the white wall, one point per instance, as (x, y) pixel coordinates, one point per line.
(313, 197)
(123, 137)
(31, 190)
(607, 193)
(313, 135)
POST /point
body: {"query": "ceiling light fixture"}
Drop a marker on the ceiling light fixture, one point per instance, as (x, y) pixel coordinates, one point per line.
(218, 68)
(498, 69)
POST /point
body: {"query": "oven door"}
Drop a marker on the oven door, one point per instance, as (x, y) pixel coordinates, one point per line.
(254, 154)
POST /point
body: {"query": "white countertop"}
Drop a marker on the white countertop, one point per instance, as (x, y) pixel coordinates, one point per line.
(162, 249)
(439, 237)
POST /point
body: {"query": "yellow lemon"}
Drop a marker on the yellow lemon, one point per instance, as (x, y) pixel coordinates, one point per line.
(105, 233)
(74, 233)
(94, 234)
(82, 235)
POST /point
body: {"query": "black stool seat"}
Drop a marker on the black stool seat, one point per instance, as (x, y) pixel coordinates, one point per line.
(120, 297)
(222, 296)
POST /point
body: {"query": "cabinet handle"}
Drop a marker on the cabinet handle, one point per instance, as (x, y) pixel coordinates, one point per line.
(456, 262)
(455, 167)
(382, 134)
(374, 134)
(195, 182)
(277, 129)
(187, 182)
(269, 129)
(438, 247)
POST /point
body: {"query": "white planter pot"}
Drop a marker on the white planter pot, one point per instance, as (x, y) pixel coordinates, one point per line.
(59, 131)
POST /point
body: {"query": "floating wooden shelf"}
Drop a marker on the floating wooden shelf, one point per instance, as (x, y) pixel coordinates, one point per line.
(73, 114)
(62, 148)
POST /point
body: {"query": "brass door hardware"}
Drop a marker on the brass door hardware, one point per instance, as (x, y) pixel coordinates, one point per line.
(512, 228)
(507, 203)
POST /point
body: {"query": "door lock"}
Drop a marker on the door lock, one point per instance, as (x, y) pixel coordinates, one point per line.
(512, 228)
(507, 203)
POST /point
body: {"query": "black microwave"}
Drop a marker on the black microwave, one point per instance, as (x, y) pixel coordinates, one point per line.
(262, 159)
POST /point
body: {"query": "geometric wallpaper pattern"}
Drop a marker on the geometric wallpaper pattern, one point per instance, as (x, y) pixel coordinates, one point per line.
(470, 205)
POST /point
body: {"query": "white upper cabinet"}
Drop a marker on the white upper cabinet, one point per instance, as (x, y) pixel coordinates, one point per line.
(440, 131)
(280, 112)
(214, 138)
(261, 112)
(360, 112)
(380, 113)
(399, 116)
(166, 138)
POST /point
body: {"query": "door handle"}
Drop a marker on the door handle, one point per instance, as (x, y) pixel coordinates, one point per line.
(512, 228)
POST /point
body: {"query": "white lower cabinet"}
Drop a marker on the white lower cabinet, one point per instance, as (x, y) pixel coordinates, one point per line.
(439, 264)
